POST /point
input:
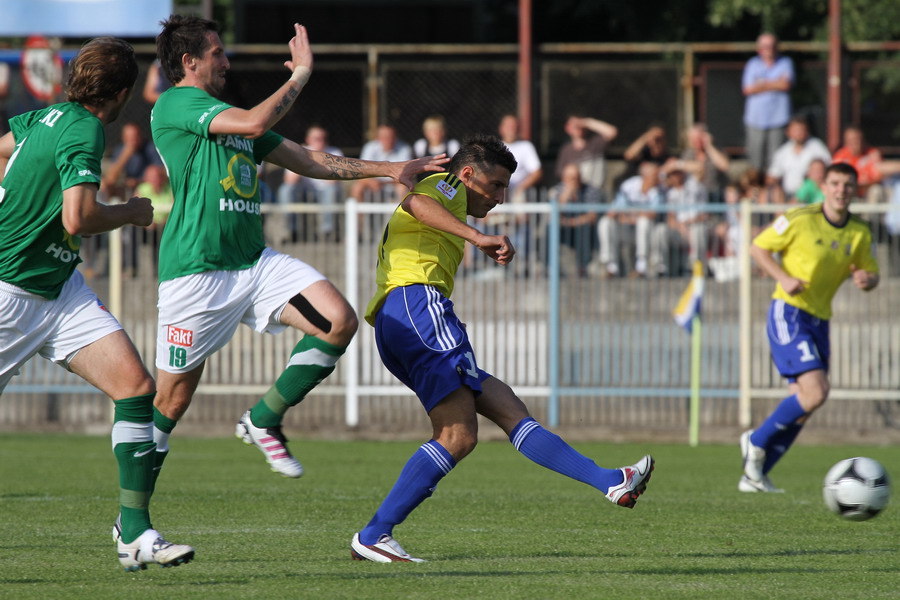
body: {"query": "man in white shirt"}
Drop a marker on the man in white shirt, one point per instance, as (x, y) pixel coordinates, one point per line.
(385, 147)
(791, 161)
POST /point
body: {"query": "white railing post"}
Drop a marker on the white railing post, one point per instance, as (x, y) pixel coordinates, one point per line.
(744, 325)
(351, 287)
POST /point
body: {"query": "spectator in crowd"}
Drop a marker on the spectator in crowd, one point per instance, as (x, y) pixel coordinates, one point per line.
(866, 160)
(766, 82)
(296, 188)
(792, 159)
(706, 163)
(155, 186)
(529, 172)
(588, 139)
(577, 230)
(129, 159)
(688, 227)
(435, 141)
(727, 232)
(639, 229)
(385, 147)
(651, 146)
(155, 84)
(811, 190)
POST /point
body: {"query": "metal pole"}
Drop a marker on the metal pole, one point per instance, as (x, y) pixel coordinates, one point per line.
(525, 60)
(834, 73)
(688, 87)
(554, 325)
(372, 83)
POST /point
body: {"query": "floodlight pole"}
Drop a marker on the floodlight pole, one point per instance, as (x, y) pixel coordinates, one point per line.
(834, 73)
(525, 62)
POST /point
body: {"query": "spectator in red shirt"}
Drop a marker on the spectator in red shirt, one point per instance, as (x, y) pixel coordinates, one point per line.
(865, 159)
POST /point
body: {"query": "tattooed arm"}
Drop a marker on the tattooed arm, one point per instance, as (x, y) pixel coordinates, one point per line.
(262, 117)
(321, 165)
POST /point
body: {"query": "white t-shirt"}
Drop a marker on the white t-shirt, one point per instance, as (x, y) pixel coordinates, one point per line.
(791, 166)
(375, 151)
(528, 160)
(692, 193)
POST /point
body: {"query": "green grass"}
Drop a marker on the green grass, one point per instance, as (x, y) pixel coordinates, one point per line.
(497, 527)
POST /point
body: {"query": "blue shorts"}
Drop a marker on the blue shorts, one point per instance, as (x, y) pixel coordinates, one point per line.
(424, 344)
(799, 341)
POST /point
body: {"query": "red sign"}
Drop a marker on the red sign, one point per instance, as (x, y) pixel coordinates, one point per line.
(42, 69)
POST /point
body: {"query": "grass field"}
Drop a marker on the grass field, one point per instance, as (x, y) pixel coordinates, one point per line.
(497, 527)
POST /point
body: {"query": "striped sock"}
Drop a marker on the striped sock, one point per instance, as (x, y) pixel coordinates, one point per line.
(132, 441)
(425, 468)
(311, 361)
(549, 450)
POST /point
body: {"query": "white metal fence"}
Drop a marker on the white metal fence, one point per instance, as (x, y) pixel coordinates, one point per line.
(581, 348)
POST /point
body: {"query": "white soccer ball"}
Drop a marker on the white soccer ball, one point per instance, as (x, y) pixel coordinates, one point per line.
(857, 489)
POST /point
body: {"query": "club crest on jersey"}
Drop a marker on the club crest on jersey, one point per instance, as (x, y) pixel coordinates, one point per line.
(446, 189)
(241, 176)
(101, 305)
(781, 224)
(179, 336)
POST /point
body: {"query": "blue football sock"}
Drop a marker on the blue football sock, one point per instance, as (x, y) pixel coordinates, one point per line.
(425, 468)
(779, 445)
(549, 450)
(785, 414)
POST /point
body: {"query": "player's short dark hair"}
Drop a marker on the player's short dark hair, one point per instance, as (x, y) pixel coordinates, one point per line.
(103, 67)
(843, 169)
(483, 152)
(181, 35)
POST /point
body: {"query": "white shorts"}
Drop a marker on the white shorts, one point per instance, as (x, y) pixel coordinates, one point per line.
(199, 313)
(55, 329)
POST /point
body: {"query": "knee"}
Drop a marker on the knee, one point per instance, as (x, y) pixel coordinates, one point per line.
(459, 441)
(814, 397)
(144, 386)
(343, 328)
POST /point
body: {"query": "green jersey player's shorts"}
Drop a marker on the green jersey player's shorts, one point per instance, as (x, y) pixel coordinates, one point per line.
(199, 313)
(56, 329)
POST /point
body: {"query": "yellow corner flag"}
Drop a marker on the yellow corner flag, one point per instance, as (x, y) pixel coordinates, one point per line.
(689, 305)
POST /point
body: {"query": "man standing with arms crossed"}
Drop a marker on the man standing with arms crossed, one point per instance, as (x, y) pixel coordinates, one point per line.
(821, 245)
(215, 270)
(48, 201)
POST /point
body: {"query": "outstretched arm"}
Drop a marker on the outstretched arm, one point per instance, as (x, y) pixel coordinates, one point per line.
(432, 213)
(321, 165)
(262, 117)
(83, 215)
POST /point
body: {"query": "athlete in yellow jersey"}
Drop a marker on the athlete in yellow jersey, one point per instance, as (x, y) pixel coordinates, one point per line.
(423, 343)
(821, 246)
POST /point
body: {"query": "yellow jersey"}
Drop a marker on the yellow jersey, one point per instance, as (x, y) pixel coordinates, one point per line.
(412, 252)
(818, 252)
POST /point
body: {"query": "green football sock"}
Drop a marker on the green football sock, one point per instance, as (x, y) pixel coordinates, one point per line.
(132, 439)
(162, 428)
(311, 361)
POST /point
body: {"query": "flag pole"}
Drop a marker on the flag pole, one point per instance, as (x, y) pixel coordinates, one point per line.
(694, 434)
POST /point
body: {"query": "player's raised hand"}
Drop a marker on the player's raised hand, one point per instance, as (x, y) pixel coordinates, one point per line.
(793, 286)
(141, 211)
(497, 247)
(409, 169)
(301, 52)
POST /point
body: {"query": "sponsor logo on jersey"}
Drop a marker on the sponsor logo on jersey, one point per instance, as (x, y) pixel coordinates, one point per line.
(239, 205)
(235, 141)
(205, 115)
(101, 305)
(781, 224)
(179, 336)
(86, 173)
(446, 189)
(241, 176)
(61, 253)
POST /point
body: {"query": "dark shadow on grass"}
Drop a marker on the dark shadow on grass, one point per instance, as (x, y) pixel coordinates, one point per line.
(693, 571)
(24, 581)
(815, 552)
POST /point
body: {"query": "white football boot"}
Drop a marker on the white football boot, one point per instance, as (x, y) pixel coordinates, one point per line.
(634, 483)
(754, 458)
(385, 550)
(763, 485)
(272, 443)
(151, 548)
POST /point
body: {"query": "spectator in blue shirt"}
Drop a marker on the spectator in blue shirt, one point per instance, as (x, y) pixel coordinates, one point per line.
(766, 83)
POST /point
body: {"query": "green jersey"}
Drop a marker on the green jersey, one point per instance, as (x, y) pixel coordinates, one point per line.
(215, 222)
(57, 147)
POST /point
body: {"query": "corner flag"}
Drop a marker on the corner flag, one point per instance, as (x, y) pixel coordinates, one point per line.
(689, 305)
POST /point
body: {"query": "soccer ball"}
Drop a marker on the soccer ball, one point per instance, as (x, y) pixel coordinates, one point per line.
(857, 489)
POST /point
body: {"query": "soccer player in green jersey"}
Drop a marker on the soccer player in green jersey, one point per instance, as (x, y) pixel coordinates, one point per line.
(215, 270)
(48, 201)
(821, 246)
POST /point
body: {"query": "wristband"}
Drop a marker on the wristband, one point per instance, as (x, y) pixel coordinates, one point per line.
(301, 75)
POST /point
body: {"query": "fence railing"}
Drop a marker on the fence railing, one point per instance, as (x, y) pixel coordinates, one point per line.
(582, 347)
